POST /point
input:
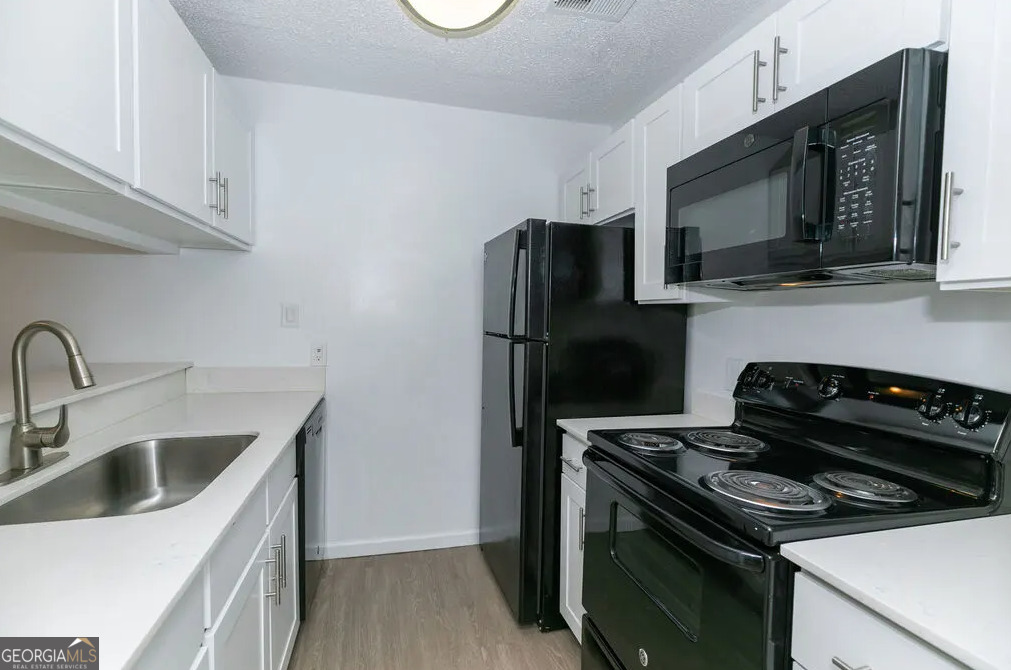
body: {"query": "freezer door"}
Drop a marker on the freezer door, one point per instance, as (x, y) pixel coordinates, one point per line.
(514, 282)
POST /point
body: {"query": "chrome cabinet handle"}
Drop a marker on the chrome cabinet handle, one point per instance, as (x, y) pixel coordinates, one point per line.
(216, 180)
(284, 561)
(842, 665)
(276, 579)
(590, 209)
(583, 197)
(777, 51)
(569, 462)
(582, 528)
(224, 188)
(758, 64)
(947, 191)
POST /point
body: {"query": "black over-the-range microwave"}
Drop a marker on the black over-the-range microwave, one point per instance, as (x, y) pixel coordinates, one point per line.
(842, 187)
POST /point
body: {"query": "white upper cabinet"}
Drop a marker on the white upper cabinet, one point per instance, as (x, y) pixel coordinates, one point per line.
(173, 94)
(575, 195)
(658, 139)
(66, 78)
(823, 41)
(975, 237)
(612, 175)
(731, 91)
(232, 186)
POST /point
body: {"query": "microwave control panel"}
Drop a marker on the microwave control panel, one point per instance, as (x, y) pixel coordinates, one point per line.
(857, 160)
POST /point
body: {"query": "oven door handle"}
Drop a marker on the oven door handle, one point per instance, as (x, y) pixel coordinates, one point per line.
(804, 143)
(740, 558)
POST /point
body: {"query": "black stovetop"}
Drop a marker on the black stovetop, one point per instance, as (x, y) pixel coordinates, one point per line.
(679, 475)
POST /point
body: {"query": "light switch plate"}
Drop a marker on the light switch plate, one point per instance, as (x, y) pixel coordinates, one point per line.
(290, 315)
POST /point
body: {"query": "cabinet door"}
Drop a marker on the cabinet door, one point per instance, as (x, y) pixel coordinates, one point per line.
(731, 91)
(574, 196)
(240, 639)
(284, 610)
(658, 133)
(827, 40)
(173, 85)
(573, 519)
(975, 154)
(66, 73)
(612, 175)
(857, 637)
(233, 161)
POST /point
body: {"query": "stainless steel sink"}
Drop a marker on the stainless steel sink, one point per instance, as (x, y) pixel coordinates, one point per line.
(132, 479)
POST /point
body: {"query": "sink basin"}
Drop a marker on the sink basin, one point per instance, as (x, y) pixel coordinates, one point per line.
(132, 479)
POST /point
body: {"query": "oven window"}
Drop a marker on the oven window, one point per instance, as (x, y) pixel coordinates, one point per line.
(672, 580)
(749, 214)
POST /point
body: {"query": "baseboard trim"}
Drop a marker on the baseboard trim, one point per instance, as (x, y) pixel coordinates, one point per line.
(399, 545)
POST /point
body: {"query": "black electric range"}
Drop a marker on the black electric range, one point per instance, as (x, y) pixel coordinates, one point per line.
(681, 560)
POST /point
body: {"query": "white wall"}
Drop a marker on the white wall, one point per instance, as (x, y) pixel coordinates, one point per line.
(918, 329)
(372, 214)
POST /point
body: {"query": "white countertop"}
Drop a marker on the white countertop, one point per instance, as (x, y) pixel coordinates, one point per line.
(118, 577)
(578, 428)
(51, 387)
(949, 584)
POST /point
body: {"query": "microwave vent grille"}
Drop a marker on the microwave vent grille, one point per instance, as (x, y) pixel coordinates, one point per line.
(904, 273)
(603, 10)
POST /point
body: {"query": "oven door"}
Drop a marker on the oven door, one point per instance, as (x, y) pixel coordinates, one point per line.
(753, 204)
(666, 588)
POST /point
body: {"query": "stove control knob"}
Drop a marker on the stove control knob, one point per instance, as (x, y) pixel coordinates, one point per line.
(971, 415)
(829, 388)
(933, 407)
(761, 380)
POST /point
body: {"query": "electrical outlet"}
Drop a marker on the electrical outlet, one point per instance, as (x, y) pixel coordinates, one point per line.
(317, 355)
(290, 315)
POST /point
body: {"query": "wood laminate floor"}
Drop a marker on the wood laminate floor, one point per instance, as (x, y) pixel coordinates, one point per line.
(432, 610)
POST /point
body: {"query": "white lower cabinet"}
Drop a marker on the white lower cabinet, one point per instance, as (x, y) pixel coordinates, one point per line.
(257, 628)
(240, 641)
(571, 576)
(284, 607)
(831, 632)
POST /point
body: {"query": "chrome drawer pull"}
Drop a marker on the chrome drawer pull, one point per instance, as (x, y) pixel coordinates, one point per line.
(569, 462)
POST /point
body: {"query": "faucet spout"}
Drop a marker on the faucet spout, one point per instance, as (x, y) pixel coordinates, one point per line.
(27, 440)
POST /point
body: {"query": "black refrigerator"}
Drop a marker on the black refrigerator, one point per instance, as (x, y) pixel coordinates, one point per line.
(563, 338)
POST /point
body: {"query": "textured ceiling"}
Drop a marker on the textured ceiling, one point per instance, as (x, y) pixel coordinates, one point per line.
(534, 62)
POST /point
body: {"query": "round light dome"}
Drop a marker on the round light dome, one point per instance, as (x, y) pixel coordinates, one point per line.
(457, 18)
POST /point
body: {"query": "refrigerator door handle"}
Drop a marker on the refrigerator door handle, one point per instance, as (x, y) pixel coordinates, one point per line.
(512, 283)
(516, 438)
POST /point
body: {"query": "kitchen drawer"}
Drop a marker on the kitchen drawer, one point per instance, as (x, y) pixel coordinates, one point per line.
(827, 625)
(572, 460)
(179, 637)
(279, 480)
(232, 554)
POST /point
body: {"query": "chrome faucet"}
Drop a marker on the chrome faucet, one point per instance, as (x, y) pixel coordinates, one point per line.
(27, 439)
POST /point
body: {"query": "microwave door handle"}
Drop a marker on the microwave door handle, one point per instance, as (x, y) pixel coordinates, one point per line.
(798, 185)
(512, 284)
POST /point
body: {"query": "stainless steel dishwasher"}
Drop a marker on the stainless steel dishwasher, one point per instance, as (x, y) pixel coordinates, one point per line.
(310, 446)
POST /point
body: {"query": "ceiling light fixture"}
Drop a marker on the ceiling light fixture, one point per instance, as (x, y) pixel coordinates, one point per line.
(457, 18)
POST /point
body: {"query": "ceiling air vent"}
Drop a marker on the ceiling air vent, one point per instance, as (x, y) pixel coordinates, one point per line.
(604, 10)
